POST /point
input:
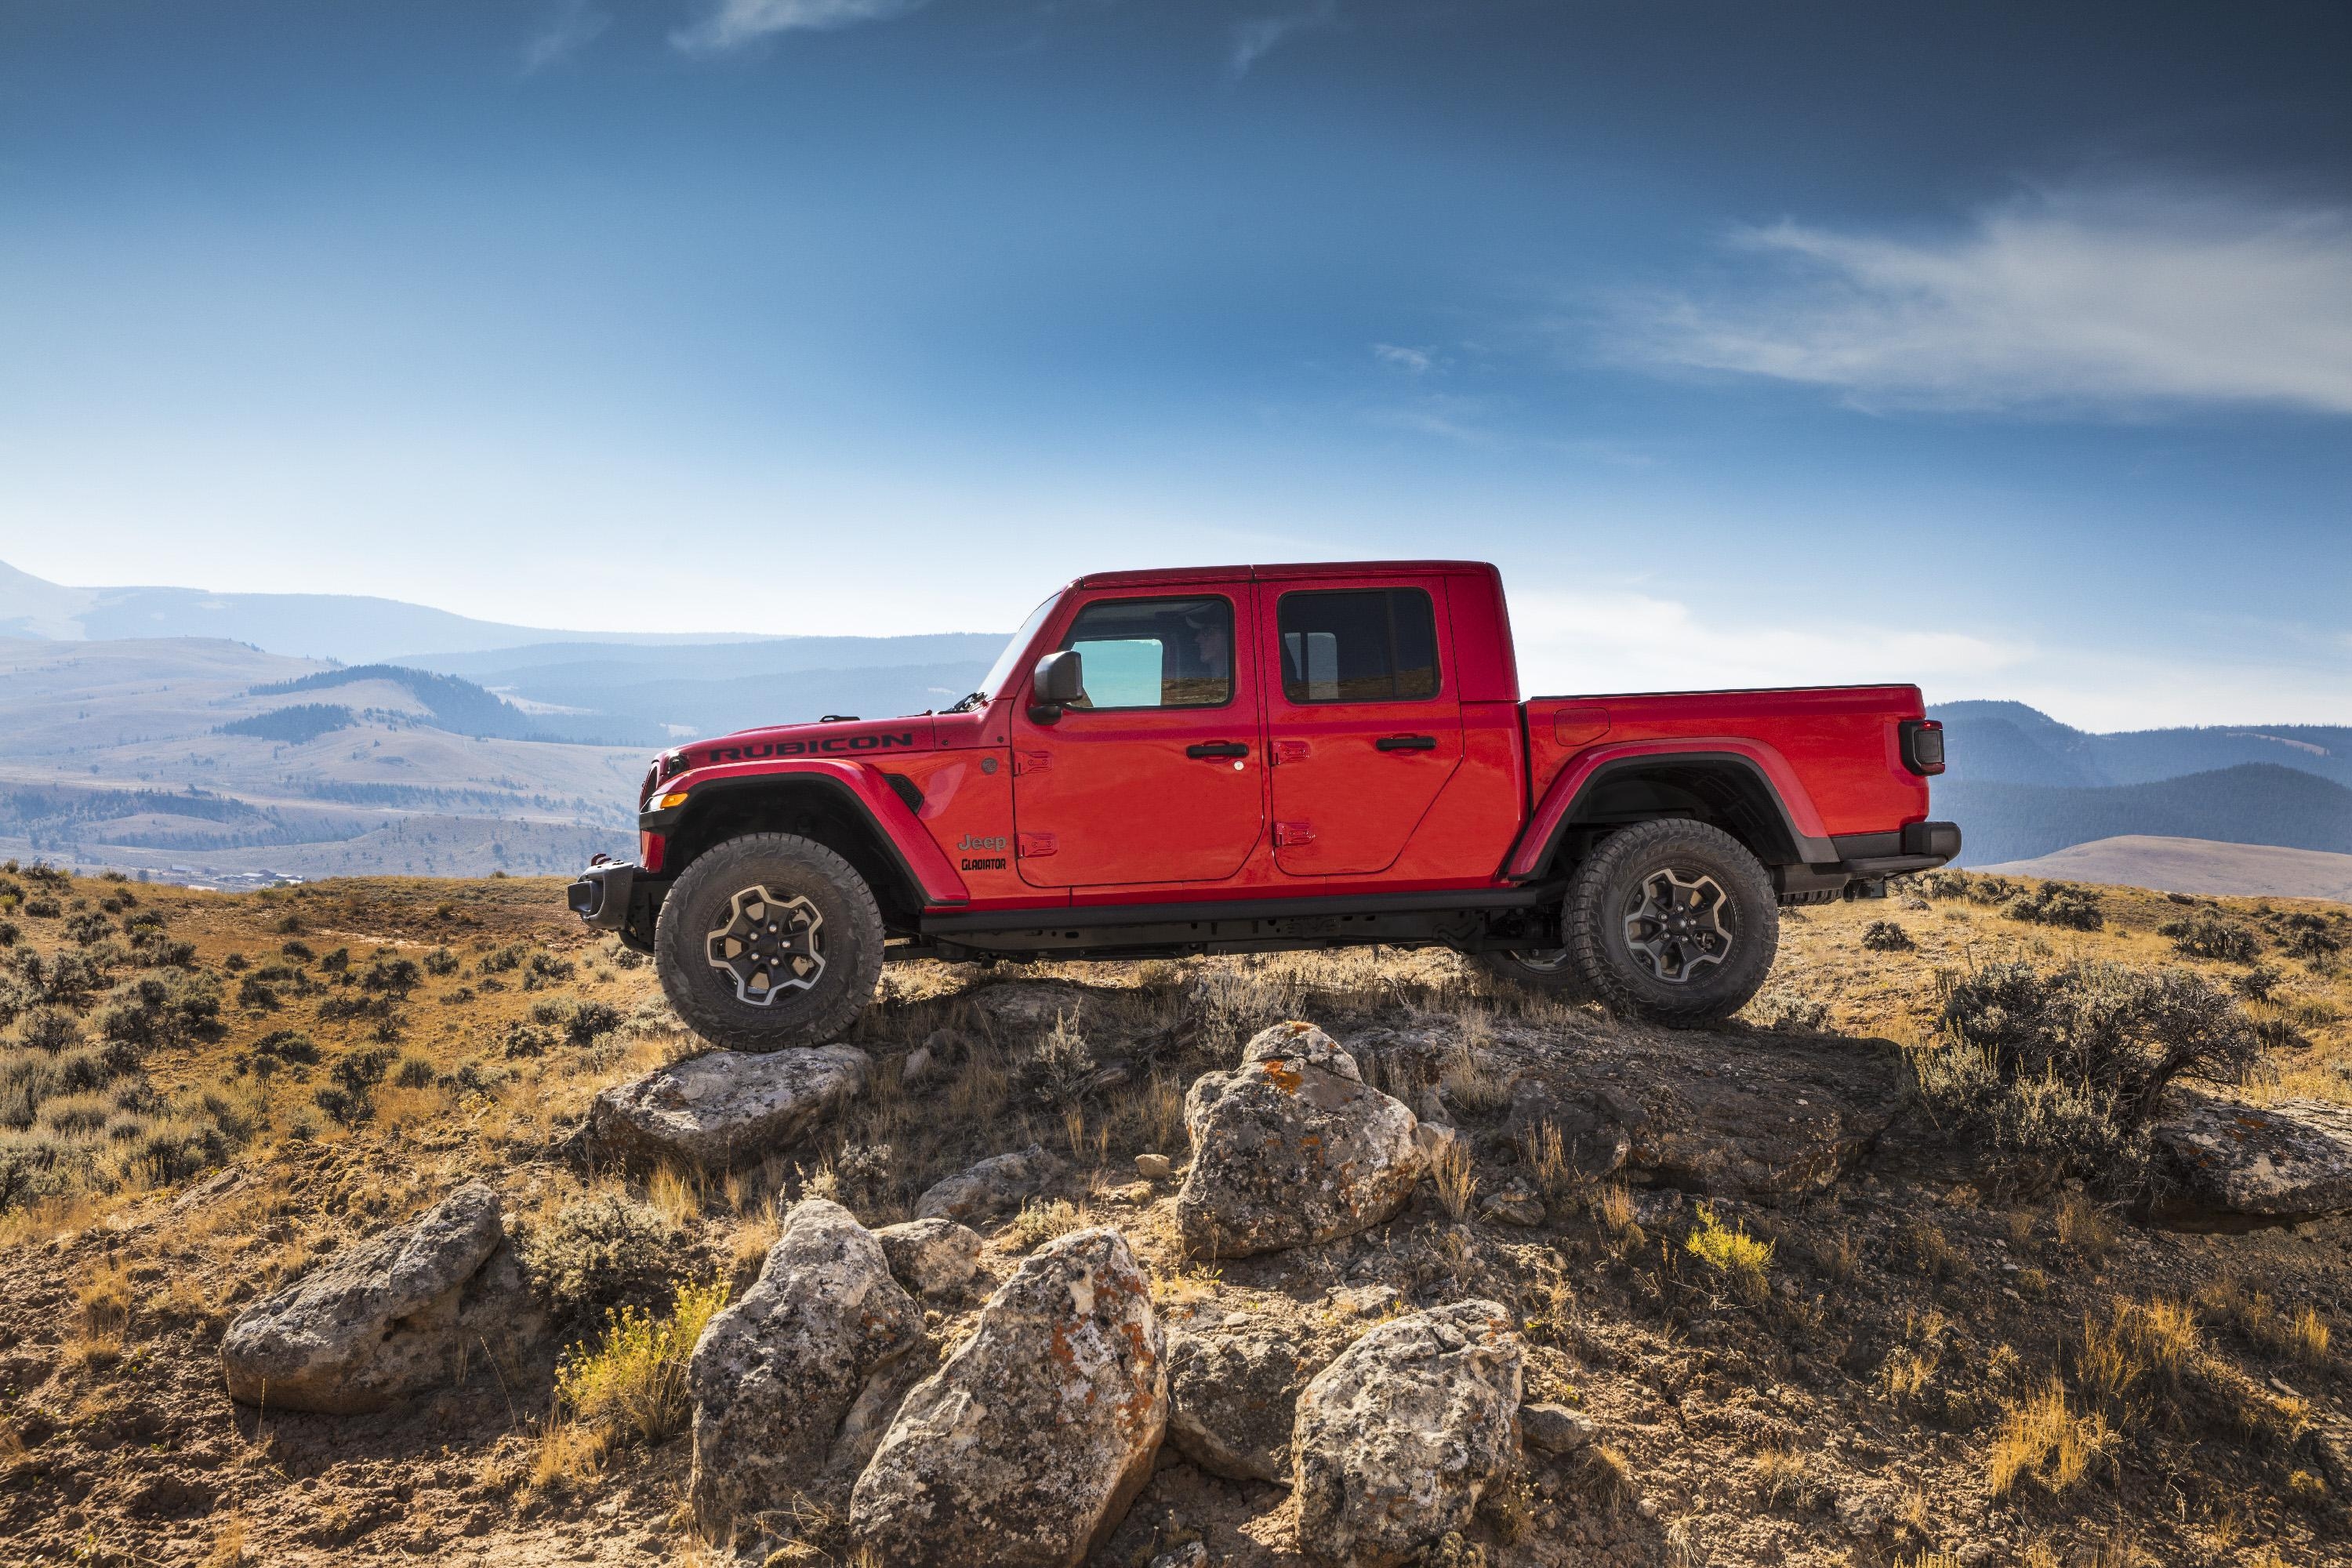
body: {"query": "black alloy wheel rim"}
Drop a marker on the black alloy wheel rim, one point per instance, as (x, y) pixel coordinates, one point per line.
(767, 945)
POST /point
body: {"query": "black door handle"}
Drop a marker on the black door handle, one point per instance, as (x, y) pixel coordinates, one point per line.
(1407, 742)
(1217, 749)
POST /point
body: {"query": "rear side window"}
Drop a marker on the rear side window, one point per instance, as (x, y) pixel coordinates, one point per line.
(1155, 653)
(1373, 644)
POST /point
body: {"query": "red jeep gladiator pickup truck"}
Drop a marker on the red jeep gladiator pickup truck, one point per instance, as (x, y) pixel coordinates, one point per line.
(1250, 758)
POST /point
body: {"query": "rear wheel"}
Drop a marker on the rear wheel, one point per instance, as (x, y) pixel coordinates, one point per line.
(1673, 921)
(769, 940)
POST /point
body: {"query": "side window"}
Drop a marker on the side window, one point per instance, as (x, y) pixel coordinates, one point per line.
(1155, 653)
(1376, 645)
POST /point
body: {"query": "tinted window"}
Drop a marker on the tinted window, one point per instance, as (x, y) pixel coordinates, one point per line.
(1155, 653)
(1378, 645)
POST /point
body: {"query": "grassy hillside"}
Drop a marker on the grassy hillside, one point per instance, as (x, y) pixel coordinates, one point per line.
(1898, 1369)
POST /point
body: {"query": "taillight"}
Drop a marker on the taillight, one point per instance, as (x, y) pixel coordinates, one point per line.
(1923, 746)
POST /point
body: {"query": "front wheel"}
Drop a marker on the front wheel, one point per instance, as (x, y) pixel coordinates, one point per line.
(1550, 969)
(769, 940)
(1672, 921)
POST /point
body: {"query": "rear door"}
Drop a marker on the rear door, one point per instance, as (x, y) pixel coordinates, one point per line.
(1156, 777)
(1363, 725)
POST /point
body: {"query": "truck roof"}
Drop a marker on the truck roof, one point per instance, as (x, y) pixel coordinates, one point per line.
(1285, 569)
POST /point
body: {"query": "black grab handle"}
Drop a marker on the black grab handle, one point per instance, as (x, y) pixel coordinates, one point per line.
(1218, 749)
(1407, 742)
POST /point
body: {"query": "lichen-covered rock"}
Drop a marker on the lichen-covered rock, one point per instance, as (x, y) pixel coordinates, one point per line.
(1292, 1147)
(726, 1107)
(1024, 1449)
(774, 1375)
(1398, 1437)
(400, 1314)
(997, 1183)
(931, 1257)
(1233, 1395)
(2288, 1161)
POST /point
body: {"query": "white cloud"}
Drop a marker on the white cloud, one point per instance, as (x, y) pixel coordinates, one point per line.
(1259, 36)
(1417, 360)
(573, 27)
(2112, 302)
(1607, 640)
(733, 24)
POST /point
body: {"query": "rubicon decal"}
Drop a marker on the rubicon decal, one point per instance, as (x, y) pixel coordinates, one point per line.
(755, 753)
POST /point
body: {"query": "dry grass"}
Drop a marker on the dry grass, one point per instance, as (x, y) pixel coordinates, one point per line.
(2045, 1441)
(1039, 1223)
(1741, 1261)
(633, 1378)
(2081, 1229)
(1454, 1178)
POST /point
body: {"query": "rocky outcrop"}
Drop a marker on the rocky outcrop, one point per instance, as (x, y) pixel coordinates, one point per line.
(2256, 1164)
(1292, 1147)
(726, 1107)
(401, 1314)
(1716, 1115)
(931, 1257)
(775, 1374)
(1233, 1395)
(998, 1184)
(1398, 1437)
(1024, 1449)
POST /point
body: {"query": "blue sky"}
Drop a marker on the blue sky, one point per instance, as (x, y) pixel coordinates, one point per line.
(2004, 349)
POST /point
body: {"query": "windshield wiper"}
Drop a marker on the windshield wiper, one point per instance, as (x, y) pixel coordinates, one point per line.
(966, 704)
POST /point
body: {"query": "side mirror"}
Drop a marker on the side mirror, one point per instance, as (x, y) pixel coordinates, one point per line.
(1058, 678)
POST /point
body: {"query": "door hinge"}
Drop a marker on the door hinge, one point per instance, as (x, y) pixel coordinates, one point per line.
(1290, 835)
(1289, 752)
(1025, 763)
(1035, 845)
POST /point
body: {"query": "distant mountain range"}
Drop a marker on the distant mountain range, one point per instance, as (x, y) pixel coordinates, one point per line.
(2023, 786)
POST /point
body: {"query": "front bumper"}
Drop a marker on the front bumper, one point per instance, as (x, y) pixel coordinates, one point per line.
(602, 895)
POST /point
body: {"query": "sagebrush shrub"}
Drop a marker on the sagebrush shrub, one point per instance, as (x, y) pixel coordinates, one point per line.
(2059, 1073)
(1886, 936)
(2057, 904)
(602, 1251)
(2207, 934)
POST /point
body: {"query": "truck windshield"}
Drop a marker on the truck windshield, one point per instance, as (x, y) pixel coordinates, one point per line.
(1001, 673)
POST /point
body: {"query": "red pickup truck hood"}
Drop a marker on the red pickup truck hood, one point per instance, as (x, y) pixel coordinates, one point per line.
(849, 740)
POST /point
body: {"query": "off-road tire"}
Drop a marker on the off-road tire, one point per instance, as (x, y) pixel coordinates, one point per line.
(1611, 883)
(1538, 972)
(789, 867)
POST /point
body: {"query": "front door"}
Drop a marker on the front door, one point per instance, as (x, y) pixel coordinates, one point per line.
(1362, 721)
(1154, 776)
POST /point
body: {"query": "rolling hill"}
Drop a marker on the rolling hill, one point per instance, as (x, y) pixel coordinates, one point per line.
(2196, 866)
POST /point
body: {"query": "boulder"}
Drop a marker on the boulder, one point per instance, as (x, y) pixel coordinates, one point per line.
(1233, 1395)
(1553, 1428)
(1154, 1167)
(1515, 1203)
(2257, 1164)
(1292, 1147)
(395, 1316)
(931, 1257)
(1398, 1437)
(1762, 1117)
(774, 1375)
(726, 1107)
(1024, 1449)
(997, 1183)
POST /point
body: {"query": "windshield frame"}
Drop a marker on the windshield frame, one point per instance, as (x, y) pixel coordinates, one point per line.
(1006, 668)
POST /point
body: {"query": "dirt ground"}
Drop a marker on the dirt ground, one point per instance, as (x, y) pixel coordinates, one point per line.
(1929, 1367)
